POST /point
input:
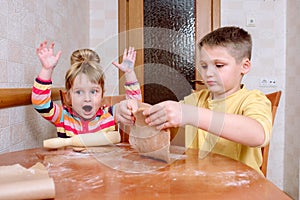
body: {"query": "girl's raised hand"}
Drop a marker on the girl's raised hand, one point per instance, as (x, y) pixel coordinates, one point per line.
(128, 60)
(47, 56)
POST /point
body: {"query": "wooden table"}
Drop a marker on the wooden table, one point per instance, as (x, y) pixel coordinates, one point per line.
(118, 172)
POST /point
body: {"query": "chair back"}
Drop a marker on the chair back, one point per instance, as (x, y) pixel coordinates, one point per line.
(274, 98)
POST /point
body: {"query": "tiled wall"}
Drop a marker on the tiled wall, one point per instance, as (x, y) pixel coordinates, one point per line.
(24, 24)
(292, 108)
(275, 57)
(104, 39)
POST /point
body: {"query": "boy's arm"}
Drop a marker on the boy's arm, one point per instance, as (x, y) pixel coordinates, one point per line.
(237, 128)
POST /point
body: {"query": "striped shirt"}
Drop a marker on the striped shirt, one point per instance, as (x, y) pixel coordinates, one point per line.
(67, 122)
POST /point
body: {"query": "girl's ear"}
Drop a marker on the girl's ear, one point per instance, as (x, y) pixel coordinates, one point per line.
(245, 66)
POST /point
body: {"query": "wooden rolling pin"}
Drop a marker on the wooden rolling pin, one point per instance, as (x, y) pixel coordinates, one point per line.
(84, 140)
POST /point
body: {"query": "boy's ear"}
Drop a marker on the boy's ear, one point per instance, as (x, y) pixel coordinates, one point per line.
(245, 66)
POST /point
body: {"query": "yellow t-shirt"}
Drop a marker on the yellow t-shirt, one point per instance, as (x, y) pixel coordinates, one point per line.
(250, 103)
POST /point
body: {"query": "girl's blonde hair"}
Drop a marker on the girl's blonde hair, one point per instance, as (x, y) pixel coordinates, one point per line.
(85, 61)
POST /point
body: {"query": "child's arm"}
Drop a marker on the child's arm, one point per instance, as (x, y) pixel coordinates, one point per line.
(127, 65)
(133, 90)
(124, 110)
(48, 60)
(41, 90)
(229, 126)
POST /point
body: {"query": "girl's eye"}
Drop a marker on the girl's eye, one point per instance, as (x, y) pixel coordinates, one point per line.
(94, 91)
(78, 92)
(203, 66)
(219, 65)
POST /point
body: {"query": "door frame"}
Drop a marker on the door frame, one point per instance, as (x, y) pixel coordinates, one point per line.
(131, 22)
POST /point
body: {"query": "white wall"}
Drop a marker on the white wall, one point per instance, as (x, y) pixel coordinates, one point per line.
(276, 44)
(23, 26)
(268, 61)
(104, 40)
(292, 108)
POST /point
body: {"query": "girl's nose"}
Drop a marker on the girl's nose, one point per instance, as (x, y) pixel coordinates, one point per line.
(87, 97)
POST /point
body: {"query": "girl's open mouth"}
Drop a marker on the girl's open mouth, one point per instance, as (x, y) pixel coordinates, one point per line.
(87, 108)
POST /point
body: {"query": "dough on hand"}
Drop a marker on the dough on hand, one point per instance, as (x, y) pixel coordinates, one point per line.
(147, 140)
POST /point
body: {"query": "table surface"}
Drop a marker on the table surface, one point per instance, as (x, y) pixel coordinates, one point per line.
(118, 172)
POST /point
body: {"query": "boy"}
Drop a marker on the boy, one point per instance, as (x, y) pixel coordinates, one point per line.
(225, 118)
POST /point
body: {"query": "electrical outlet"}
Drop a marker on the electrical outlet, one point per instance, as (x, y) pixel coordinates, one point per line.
(267, 82)
(272, 83)
(263, 82)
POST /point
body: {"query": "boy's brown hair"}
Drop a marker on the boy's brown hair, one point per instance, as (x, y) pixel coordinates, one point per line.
(235, 39)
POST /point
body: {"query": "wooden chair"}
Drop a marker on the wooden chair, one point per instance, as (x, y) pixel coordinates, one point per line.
(274, 98)
(107, 100)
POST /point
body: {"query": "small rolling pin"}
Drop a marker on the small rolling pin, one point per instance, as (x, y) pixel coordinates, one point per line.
(84, 140)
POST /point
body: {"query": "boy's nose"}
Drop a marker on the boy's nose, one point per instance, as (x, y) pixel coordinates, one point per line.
(210, 71)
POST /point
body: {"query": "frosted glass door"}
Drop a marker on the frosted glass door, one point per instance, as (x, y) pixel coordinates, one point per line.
(169, 49)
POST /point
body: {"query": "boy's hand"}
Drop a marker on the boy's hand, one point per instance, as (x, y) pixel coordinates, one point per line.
(46, 55)
(164, 115)
(169, 114)
(128, 60)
